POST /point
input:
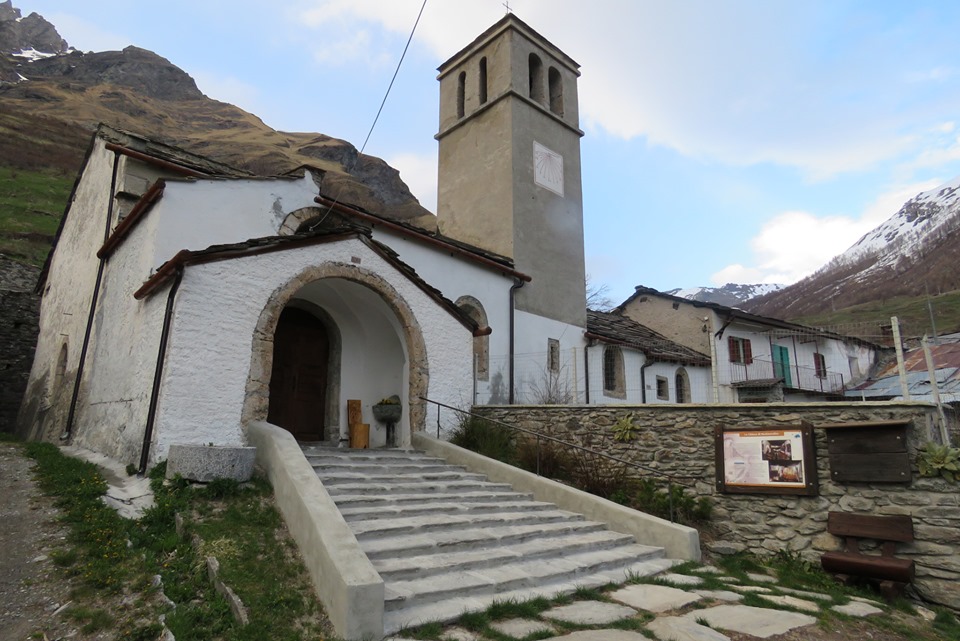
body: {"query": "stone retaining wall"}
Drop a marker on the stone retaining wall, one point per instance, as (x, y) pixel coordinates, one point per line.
(679, 441)
(19, 326)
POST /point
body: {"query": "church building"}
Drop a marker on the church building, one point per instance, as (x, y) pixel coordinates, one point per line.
(184, 298)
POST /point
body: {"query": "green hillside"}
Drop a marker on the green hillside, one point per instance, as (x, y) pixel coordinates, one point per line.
(867, 319)
(31, 203)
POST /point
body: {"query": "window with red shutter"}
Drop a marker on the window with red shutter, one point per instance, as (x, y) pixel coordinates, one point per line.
(820, 364)
(740, 350)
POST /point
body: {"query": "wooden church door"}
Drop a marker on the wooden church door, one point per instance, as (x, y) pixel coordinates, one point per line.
(298, 383)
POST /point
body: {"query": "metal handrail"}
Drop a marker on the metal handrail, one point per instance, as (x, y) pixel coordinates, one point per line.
(539, 435)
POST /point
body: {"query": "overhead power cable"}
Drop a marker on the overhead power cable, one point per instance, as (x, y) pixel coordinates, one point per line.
(376, 118)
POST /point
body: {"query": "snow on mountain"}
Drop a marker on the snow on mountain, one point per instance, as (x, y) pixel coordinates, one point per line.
(731, 294)
(32, 54)
(904, 233)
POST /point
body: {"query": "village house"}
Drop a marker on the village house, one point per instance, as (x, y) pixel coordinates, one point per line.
(756, 358)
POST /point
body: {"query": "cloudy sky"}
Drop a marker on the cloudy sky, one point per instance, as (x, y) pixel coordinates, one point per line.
(726, 141)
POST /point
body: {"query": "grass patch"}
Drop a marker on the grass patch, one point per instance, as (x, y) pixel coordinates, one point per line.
(947, 625)
(426, 632)
(589, 594)
(511, 609)
(93, 620)
(240, 526)
(31, 203)
(108, 555)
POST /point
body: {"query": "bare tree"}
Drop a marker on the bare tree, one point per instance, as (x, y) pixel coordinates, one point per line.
(598, 296)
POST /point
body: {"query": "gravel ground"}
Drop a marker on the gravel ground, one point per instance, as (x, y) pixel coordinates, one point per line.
(32, 590)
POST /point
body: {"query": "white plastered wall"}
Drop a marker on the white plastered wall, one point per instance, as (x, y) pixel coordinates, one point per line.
(217, 311)
(699, 377)
(530, 356)
(123, 352)
(66, 299)
(632, 363)
(196, 214)
(455, 276)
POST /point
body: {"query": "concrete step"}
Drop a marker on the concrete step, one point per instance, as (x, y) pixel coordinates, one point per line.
(451, 507)
(387, 477)
(445, 610)
(416, 567)
(341, 454)
(435, 523)
(446, 541)
(327, 466)
(520, 573)
(470, 539)
(410, 487)
(347, 501)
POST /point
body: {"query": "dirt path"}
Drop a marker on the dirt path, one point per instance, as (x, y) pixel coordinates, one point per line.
(31, 587)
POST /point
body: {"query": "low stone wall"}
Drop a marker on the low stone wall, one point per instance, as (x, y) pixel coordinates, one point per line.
(678, 440)
(19, 326)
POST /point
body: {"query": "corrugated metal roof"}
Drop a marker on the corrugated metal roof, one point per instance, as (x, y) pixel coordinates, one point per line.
(918, 384)
(944, 355)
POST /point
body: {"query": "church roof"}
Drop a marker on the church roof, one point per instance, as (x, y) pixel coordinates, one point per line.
(256, 246)
(169, 158)
(471, 252)
(614, 328)
(510, 20)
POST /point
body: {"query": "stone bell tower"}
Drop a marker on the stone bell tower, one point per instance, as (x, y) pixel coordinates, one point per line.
(509, 166)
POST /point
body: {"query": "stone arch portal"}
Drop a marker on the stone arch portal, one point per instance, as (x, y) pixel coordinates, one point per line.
(376, 348)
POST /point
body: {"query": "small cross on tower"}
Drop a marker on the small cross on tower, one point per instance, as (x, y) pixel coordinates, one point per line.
(507, 5)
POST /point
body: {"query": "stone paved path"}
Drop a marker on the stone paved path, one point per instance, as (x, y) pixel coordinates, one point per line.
(677, 607)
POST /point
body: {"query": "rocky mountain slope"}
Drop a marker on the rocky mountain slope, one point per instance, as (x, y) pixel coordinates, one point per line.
(731, 294)
(51, 104)
(916, 251)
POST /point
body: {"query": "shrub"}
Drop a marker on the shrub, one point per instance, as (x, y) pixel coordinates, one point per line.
(485, 437)
(554, 462)
(651, 496)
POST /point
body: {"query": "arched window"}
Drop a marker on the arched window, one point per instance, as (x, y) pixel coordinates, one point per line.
(556, 91)
(481, 344)
(483, 80)
(613, 375)
(536, 78)
(683, 386)
(461, 88)
(308, 219)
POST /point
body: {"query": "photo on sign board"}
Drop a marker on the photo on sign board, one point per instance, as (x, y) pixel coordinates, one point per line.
(788, 472)
(776, 450)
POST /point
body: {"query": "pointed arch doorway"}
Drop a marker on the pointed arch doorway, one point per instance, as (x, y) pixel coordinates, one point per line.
(298, 382)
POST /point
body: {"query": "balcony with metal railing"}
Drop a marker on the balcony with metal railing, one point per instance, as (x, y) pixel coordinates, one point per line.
(794, 376)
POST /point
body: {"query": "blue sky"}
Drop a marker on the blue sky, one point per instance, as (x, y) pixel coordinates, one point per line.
(735, 141)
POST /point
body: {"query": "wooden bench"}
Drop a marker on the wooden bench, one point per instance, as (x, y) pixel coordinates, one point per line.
(892, 573)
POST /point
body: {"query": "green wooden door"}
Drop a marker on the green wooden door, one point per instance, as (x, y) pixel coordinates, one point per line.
(781, 364)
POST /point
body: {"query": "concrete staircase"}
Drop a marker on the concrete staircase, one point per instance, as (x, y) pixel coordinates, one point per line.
(446, 541)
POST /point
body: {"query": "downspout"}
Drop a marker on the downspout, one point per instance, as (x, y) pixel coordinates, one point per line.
(517, 284)
(158, 372)
(586, 372)
(643, 379)
(68, 430)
